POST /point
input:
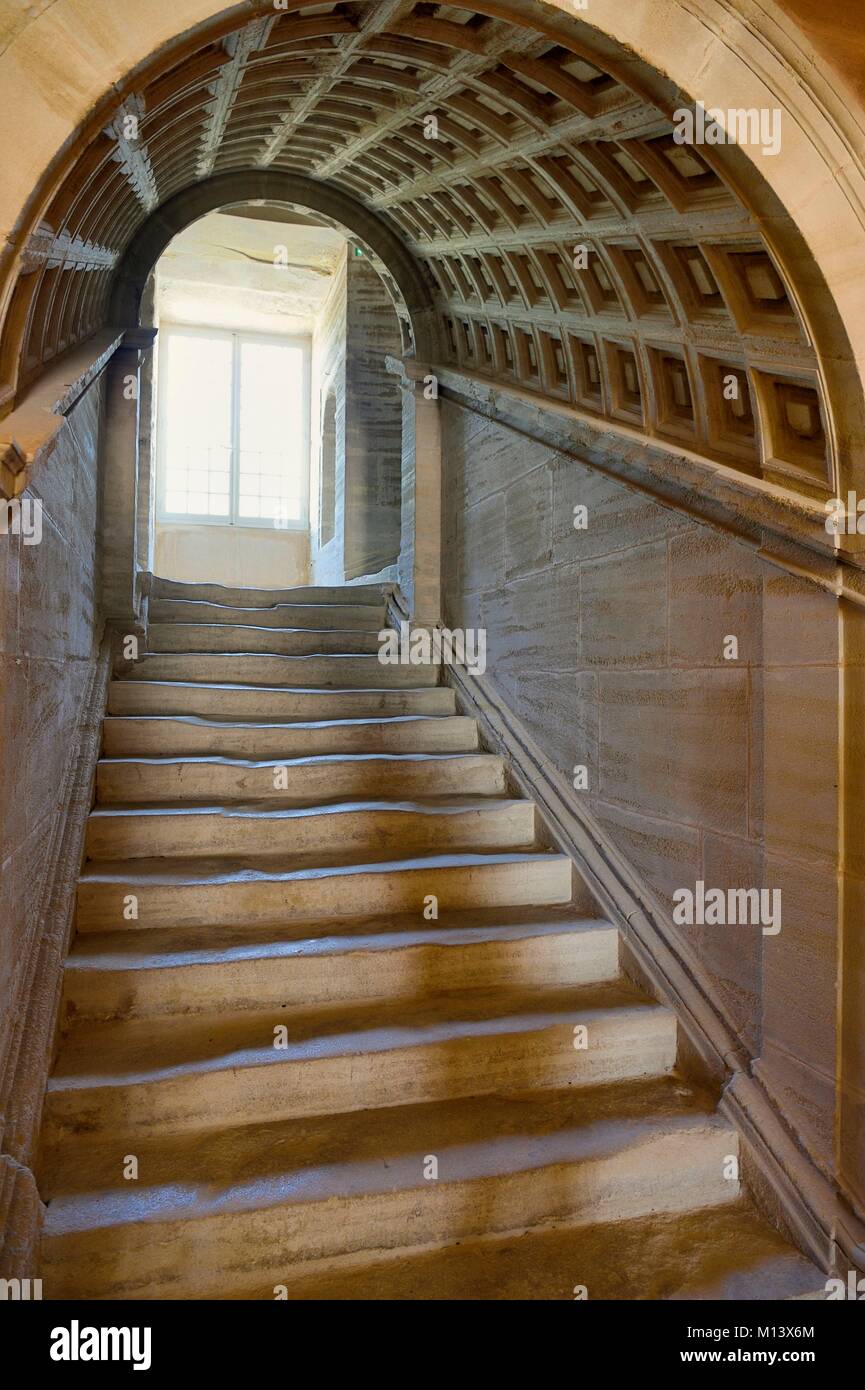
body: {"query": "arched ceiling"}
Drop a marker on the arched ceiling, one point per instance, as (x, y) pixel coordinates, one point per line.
(492, 140)
(316, 200)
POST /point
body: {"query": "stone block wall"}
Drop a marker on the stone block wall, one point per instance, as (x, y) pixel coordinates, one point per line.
(50, 630)
(357, 330)
(327, 561)
(610, 644)
(373, 426)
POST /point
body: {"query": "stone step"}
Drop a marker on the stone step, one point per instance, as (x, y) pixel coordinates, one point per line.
(368, 617)
(299, 781)
(258, 830)
(190, 1074)
(331, 1197)
(299, 672)
(341, 595)
(143, 974)
(207, 893)
(240, 701)
(167, 737)
(234, 637)
(722, 1253)
(320, 950)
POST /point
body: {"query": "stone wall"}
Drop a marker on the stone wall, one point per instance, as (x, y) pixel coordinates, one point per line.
(356, 331)
(49, 637)
(328, 379)
(373, 440)
(250, 556)
(608, 643)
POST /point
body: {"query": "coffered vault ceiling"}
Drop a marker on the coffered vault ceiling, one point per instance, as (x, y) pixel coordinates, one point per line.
(681, 326)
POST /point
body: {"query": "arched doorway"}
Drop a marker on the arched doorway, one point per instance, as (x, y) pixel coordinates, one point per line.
(408, 287)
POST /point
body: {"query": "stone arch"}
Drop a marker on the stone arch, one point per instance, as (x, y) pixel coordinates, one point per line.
(401, 274)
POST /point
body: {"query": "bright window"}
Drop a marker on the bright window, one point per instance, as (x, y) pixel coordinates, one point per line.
(233, 428)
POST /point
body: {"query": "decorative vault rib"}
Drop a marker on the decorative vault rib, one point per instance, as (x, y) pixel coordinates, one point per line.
(439, 88)
(131, 154)
(347, 48)
(240, 46)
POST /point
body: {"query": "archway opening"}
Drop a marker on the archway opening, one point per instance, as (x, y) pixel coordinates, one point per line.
(270, 439)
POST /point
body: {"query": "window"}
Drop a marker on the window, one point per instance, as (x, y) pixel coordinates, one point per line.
(233, 428)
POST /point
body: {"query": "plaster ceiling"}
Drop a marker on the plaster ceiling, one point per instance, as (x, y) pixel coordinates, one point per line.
(249, 272)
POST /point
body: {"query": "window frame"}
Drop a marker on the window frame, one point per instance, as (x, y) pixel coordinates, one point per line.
(168, 329)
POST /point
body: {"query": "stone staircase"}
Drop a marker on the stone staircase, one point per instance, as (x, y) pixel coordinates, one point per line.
(278, 1077)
